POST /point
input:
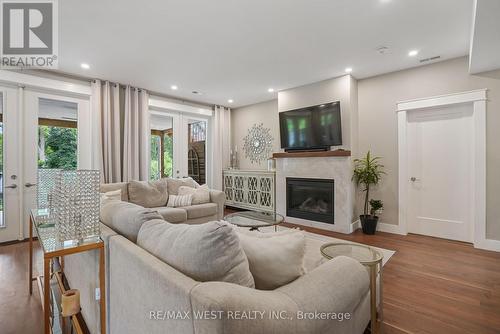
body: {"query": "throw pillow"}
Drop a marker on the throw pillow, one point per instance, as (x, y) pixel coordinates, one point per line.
(174, 184)
(175, 201)
(201, 195)
(126, 218)
(204, 252)
(149, 194)
(110, 195)
(275, 258)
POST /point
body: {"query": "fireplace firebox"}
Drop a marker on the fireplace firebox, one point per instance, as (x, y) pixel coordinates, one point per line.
(311, 199)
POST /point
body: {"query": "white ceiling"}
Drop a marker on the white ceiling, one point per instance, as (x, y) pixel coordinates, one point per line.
(239, 48)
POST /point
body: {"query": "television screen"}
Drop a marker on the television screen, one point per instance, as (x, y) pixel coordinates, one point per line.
(312, 127)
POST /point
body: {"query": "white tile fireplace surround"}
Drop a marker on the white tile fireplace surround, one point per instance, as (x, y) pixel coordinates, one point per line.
(338, 169)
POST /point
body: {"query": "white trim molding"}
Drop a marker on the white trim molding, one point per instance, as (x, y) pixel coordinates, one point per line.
(45, 84)
(478, 99)
(159, 103)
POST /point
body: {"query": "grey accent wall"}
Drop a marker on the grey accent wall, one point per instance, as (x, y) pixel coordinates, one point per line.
(243, 118)
(377, 98)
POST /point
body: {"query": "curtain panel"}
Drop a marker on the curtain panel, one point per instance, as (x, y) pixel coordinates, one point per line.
(221, 140)
(120, 132)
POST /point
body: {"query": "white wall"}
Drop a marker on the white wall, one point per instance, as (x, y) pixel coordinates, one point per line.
(378, 124)
(243, 118)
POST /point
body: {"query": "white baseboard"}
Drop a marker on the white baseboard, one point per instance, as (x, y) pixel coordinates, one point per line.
(382, 227)
(488, 244)
(390, 228)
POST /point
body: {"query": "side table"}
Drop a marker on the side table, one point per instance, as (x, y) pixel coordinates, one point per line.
(369, 257)
(53, 248)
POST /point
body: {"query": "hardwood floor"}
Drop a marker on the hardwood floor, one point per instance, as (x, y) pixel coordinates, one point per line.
(20, 313)
(430, 286)
(434, 285)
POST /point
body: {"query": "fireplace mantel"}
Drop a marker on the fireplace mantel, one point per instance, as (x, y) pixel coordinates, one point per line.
(318, 154)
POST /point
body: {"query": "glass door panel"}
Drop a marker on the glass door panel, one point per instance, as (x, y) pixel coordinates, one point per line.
(162, 145)
(57, 135)
(197, 150)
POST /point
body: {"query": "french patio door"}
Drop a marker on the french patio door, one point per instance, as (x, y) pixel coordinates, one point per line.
(179, 145)
(40, 130)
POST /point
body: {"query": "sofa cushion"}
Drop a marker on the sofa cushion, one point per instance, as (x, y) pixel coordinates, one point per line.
(172, 215)
(123, 186)
(200, 195)
(204, 252)
(173, 185)
(148, 194)
(126, 218)
(200, 210)
(275, 258)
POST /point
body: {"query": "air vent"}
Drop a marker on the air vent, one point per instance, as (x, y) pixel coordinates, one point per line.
(429, 59)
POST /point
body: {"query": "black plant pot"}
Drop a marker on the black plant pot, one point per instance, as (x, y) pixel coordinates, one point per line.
(368, 223)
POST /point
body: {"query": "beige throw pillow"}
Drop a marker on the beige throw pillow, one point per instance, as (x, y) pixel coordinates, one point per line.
(111, 195)
(175, 184)
(204, 252)
(275, 258)
(200, 195)
(149, 194)
(175, 201)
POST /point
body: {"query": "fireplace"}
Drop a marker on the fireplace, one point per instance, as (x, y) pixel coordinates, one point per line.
(311, 199)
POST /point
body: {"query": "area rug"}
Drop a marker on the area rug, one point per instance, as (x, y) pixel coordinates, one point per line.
(321, 239)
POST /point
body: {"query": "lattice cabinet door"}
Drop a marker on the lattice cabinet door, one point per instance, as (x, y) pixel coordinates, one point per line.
(253, 197)
(239, 188)
(228, 188)
(266, 187)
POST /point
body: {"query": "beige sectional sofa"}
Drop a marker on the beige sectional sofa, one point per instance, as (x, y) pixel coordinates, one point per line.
(147, 295)
(194, 214)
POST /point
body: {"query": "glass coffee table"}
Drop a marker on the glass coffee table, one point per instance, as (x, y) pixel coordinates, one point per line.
(369, 257)
(254, 220)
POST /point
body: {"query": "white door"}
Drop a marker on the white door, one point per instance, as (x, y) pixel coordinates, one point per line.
(56, 134)
(440, 161)
(10, 186)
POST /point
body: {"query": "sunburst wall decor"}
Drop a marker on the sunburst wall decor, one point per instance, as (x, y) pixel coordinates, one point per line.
(258, 143)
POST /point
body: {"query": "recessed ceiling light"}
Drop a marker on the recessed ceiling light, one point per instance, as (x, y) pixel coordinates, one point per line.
(348, 70)
(413, 53)
(174, 87)
(85, 66)
(230, 101)
(270, 90)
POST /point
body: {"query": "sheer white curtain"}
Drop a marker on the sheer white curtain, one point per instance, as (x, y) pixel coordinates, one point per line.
(120, 132)
(135, 135)
(221, 143)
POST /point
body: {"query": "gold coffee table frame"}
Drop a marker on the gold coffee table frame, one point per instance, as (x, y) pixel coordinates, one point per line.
(369, 257)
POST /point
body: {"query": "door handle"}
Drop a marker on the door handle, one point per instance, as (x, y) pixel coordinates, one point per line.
(28, 185)
(12, 186)
(413, 179)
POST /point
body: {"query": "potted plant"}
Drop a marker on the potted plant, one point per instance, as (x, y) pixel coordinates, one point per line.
(368, 172)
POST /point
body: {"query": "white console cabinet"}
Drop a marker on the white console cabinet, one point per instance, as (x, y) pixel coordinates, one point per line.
(250, 189)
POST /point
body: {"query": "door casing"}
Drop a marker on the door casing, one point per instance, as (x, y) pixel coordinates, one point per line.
(478, 206)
